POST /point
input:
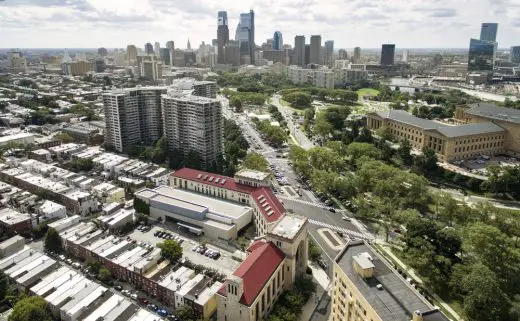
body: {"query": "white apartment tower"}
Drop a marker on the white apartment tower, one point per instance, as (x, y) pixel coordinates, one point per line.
(132, 116)
(192, 120)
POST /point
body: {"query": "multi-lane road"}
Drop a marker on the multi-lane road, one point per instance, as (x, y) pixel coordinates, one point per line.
(294, 128)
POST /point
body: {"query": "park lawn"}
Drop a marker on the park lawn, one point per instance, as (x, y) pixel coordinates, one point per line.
(367, 92)
(287, 105)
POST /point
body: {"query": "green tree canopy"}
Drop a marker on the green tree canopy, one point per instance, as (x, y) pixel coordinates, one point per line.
(32, 308)
(256, 161)
(170, 250)
(53, 241)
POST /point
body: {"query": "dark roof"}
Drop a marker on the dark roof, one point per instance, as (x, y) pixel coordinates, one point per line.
(271, 208)
(492, 111)
(396, 301)
(256, 270)
(470, 129)
(446, 130)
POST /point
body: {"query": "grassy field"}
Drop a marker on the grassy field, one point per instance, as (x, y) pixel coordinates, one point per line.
(367, 92)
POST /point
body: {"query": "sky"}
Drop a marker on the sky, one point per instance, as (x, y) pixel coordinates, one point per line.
(350, 23)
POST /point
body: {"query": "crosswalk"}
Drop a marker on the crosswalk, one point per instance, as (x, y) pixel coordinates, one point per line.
(298, 200)
(340, 229)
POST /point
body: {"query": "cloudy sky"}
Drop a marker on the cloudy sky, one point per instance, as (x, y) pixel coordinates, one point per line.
(364, 23)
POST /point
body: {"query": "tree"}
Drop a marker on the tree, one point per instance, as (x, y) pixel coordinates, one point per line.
(64, 137)
(427, 161)
(256, 161)
(358, 150)
(483, 299)
(322, 127)
(4, 285)
(104, 275)
(81, 164)
(187, 313)
(141, 206)
(170, 250)
(405, 152)
(53, 241)
(32, 308)
(236, 103)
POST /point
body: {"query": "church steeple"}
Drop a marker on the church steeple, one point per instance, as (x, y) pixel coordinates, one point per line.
(189, 45)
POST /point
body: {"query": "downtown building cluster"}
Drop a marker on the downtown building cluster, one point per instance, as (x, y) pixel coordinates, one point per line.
(187, 115)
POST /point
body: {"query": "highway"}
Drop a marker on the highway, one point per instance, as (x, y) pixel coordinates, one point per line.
(300, 137)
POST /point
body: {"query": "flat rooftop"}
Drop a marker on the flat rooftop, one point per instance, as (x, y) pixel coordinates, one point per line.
(493, 111)
(252, 174)
(289, 226)
(397, 300)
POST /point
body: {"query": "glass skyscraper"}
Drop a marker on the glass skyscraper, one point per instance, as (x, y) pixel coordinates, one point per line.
(481, 55)
(387, 54)
(515, 54)
(245, 35)
(277, 41)
(488, 32)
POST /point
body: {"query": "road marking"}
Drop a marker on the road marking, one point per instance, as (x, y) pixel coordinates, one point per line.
(341, 229)
(294, 199)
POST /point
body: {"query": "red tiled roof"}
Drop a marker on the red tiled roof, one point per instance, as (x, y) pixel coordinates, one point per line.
(256, 270)
(256, 244)
(269, 205)
(229, 182)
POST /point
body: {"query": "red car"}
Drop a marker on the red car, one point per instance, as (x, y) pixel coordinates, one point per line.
(143, 301)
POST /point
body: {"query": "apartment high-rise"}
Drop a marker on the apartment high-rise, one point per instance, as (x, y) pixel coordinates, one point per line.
(315, 49)
(148, 48)
(342, 54)
(222, 36)
(307, 58)
(366, 287)
(193, 121)
(299, 50)
(329, 53)
(131, 53)
(405, 56)
(149, 67)
(132, 116)
(277, 41)
(387, 54)
(357, 55)
(488, 32)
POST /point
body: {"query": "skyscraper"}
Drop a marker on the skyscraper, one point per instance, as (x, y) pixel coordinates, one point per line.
(222, 36)
(405, 56)
(299, 50)
(481, 55)
(157, 49)
(277, 41)
(148, 48)
(170, 44)
(515, 54)
(315, 49)
(307, 57)
(342, 54)
(192, 120)
(132, 116)
(357, 55)
(245, 35)
(103, 52)
(488, 32)
(329, 51)
(131, 53)
(387, 54)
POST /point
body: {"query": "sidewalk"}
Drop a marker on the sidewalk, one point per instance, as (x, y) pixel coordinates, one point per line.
(322, 286)
(409, 271)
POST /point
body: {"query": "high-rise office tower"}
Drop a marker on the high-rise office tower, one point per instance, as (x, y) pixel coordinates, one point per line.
(245, 35)
(277, 41)
(357, 55)
(131, 53)
(342, 54)
(222, 36)
(405, 56)
(166, 57)
(103, 52)
(315, 49)
(488, 32)
(170, 44)
(481, 55)
(148, 48)
(515, 54)
(157, 49)
(132, 116)
(307, 57)
(232, 53)
(387, 54)
(192, 120)
(299, 50)
(188, 46)
(329, 52)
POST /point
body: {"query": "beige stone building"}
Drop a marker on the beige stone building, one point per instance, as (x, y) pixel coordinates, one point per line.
(507, 118)
(449, 142)
(366, 288)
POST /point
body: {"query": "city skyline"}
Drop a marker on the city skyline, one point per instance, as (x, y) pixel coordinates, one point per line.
(96, 23)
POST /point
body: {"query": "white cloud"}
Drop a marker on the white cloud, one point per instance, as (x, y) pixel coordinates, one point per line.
(365, 23)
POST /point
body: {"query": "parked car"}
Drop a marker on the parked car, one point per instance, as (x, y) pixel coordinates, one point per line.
(143, 301)
(346, 218)
(118, 288)
(332, 210)
(134, 296)
(162, 312)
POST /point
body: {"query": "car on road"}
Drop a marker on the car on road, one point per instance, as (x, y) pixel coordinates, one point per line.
(118, 288)
(162, 312)
(143, 301)
(346, 218)
(152, 307)
(331, 209)
(134, 296)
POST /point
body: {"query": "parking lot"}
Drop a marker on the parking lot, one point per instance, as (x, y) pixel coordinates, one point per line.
(478, 165)
(224, 264)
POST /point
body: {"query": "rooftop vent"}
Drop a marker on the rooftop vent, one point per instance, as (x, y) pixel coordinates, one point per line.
(205, 177)
(211, 179)
(223, 181)
(216, 180)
